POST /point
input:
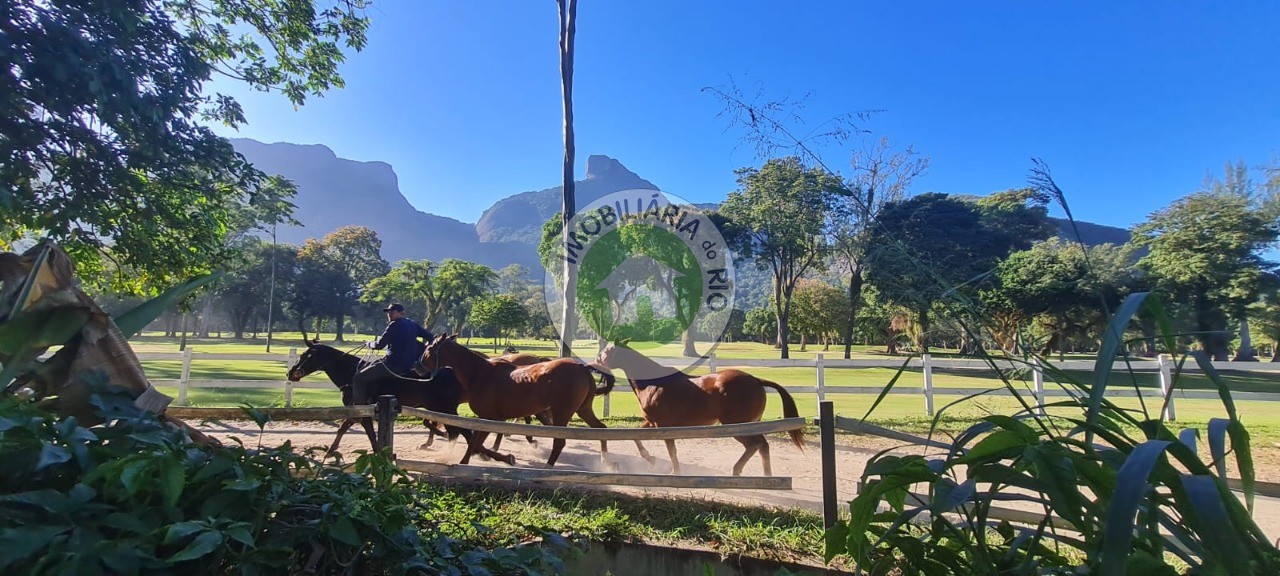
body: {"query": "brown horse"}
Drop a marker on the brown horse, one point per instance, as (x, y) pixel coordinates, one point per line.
(502, 391)
(726, 397)
(511, 357)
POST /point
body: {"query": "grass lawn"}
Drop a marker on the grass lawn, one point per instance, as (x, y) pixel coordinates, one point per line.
(900, 410)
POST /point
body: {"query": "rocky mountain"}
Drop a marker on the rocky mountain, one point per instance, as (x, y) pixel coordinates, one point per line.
(519, 218)
(335, 192)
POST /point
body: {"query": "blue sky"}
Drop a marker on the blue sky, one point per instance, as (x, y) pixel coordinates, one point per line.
(1130, 103)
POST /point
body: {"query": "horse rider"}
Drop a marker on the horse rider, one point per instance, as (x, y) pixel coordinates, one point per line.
(401, 336)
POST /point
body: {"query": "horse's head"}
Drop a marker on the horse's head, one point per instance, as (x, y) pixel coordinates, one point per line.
(441, 346)
(314, 358)
(614, 354)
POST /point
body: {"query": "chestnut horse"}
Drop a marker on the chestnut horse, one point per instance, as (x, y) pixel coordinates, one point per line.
(502, 391)
(441, 393)
(726, 397)
(512, 356)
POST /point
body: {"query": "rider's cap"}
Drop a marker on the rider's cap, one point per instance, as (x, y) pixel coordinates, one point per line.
(395, 307)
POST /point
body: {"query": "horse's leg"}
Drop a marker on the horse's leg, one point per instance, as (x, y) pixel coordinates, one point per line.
(530, 439)
(764, 456)
(752, 443)
(431, 427)
(346, 425)
(675, 462)
(497, 441)
(476, 444)
(645, 453)
(589, 416)
(367, 423)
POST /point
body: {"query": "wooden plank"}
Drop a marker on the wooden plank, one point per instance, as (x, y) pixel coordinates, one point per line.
(596, 478)
(858, 427)
(1267, 489)
(276, 414)
(267, 384)
(579, 433)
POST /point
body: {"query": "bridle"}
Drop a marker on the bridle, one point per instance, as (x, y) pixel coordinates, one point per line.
(340, 354)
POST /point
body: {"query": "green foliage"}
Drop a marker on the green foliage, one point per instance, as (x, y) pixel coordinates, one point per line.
(1206, 252)
(1116, 490)
(133, 497)
(778, 216)
(502, 314)
(103, 142)
(332, 272)
(244, 293)
(818, 309)
(932, 247)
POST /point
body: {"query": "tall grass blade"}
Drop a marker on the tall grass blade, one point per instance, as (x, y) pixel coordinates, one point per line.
(1240, 444)
(1112, 341)
(1131, 488)
(887, 388)
(1188, 437)
(1218, 444)
(1214, 525)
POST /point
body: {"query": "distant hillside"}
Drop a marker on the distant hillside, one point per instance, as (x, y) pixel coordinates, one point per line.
(519, 218)
(335, 192)
(1091, 234)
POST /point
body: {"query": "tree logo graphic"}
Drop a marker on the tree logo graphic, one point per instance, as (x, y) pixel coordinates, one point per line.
(650, 268)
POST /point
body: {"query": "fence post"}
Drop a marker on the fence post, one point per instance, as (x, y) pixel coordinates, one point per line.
(386, 411)
(288, 384)
(1037, 374)
(185, 380)
(606, 403)
(820, 385)
(928, 384)
(827, 428)
(711, 363)
(1166, 384)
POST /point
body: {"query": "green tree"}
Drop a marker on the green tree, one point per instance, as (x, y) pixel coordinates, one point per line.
(819, 310)
(932, 247)
(760, 323)
(409, 283)
(880, 176)
(102, 106)
(458, 286)
(1205, 250)
(243, 295)
(779, 216)
(333, 272)
(502, 314)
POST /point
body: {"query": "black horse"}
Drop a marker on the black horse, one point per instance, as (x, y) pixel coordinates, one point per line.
(440, 393)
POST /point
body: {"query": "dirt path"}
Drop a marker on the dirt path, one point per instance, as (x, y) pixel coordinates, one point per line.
(697, 457)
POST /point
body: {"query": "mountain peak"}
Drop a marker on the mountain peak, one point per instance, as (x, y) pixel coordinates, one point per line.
(601, 166)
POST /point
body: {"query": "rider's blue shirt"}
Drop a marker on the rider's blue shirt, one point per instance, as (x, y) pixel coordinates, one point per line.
(401, 336)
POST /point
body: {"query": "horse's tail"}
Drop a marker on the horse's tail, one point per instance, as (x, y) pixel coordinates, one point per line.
(788, 410)
(606, 375)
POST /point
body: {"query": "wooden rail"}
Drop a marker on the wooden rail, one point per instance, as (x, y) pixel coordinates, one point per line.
(275, 414)
(460, 471)
(578, 433)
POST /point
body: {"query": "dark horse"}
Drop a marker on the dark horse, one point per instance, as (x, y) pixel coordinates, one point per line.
(502, 391)
(677, 399)
(441, 393)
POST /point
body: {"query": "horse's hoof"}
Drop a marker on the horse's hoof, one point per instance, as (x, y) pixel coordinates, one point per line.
(510, 459)
(651, 460)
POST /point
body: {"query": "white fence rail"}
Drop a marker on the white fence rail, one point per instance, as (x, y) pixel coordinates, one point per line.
(924, 364)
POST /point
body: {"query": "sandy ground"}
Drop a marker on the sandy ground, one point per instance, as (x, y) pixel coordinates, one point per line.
(697, 457)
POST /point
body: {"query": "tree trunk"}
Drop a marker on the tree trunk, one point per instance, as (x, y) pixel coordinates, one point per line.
(1246, 353)
(206, 317)
(341, 327)
(923, 344)
(568, 204)
(803, 341)
(855, 298)
(783, 309)
(689, 350)
(182, 344)
(1148, 326)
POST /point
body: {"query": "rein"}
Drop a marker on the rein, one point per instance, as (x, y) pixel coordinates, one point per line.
(339, 356)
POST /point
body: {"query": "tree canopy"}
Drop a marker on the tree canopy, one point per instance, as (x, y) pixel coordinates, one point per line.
(100, 108)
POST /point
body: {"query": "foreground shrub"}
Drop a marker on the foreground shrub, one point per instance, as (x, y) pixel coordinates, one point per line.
(132, 496)
(1114, 491)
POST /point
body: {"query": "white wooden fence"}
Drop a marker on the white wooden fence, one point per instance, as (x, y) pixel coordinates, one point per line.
(822, 367)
